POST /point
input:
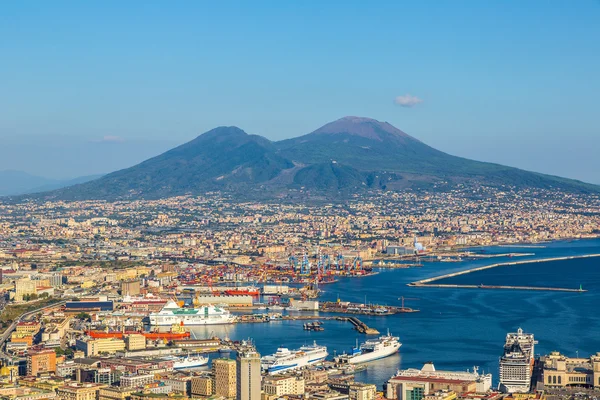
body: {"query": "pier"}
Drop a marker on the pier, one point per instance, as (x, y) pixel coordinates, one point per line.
(362, 327)
(429, 281)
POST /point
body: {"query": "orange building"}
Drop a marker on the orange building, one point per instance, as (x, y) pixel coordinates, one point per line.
(22, 339)
(41, 361)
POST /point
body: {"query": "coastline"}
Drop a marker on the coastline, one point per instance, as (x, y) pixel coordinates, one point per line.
(428, 282)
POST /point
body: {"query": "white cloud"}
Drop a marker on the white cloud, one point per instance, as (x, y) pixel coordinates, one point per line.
(407, 100)
(110, 139)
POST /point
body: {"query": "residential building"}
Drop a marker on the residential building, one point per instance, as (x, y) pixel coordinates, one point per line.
(202, 385)
(41, 361)
(248, 376)
(224, 371)
(274, 386)
(84, 391)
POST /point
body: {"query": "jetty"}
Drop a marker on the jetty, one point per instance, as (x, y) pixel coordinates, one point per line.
(362, 327)
(429, 281)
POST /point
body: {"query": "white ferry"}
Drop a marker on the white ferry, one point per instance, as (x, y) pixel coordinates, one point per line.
(372, 349)
(171, 314)
(287, 360)
(190, 362)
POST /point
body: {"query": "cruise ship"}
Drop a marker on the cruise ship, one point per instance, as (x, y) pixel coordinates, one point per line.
(516, 364)
(372, 349)
(287, 360)
(171, 314)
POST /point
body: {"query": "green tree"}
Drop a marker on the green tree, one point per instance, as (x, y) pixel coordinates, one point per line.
(84, 316)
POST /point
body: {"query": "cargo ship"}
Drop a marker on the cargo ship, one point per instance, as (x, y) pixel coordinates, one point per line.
(239, 291)
(177, 332)
(372, 349)
(288, 360)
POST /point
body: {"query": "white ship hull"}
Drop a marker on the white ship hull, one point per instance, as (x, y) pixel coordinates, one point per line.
(372, 349)
(195, 321)
(284, 360)
(375, 355)
(172, 314)
(190, 363)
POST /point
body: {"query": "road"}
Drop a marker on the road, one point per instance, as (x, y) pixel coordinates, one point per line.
(13, 326)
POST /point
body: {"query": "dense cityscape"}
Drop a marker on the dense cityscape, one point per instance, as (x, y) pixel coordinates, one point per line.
(299, 200)
(99, 297)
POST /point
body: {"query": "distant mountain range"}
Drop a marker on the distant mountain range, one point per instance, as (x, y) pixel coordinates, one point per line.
(19, 182)
(349, 155)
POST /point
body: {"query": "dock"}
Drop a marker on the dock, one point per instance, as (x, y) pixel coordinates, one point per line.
(505, 287)
(362, 327)
(429, 281)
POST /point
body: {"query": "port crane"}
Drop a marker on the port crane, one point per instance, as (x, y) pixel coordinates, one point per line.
(406, 298)
(293, 263)
(357, 263)
(305, 266)
(339, 262)
(323, 264)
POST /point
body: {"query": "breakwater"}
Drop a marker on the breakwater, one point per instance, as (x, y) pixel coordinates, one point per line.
(429, 281)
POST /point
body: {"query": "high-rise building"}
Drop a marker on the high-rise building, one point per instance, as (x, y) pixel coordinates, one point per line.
(24, 287)
(202, 385)
(130, 288)
(41, 361)
(248, 375)
(224, 371)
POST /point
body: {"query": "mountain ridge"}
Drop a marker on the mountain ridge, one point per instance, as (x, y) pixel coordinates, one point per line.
(349, 155)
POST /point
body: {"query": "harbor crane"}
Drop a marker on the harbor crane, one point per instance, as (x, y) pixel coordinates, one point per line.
(357, 263)
(406, 298)
(305, 266)
(339, 262)
(293, 263)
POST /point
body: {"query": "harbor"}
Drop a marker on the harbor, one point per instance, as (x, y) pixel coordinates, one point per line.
(429, 281)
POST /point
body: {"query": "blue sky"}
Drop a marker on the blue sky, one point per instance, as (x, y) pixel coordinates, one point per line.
(514, 82)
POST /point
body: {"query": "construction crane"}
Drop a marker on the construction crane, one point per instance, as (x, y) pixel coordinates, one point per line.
(406, 298)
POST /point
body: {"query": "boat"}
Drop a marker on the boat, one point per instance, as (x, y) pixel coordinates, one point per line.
(172, 313)
(242, 291)
(292, 308)
(314, 326)
(275, 307)
(372, 349)
(516, 364)
(189, 362)
(176, 333)
(288, 360)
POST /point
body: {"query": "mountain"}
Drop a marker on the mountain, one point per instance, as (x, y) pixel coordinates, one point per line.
(223, 158)
(18, 182)
(345, 156)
